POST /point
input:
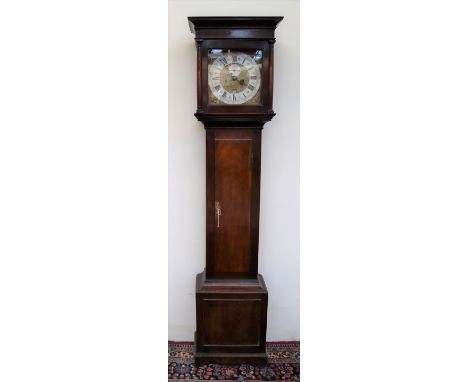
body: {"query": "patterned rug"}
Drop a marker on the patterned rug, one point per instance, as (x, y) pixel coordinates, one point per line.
(283, 365)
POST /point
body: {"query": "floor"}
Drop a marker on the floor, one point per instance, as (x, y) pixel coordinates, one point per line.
(283, 365)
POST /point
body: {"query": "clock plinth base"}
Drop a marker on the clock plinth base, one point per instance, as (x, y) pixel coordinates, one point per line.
(231, 320)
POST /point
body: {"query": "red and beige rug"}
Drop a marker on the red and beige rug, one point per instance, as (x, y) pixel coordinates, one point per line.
(283, 365)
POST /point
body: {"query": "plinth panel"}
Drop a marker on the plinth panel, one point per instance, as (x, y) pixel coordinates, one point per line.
(231, 320)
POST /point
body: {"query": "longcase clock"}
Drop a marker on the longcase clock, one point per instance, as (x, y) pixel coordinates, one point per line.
(234, 100)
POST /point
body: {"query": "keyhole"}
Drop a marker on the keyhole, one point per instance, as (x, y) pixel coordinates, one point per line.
(217, 211)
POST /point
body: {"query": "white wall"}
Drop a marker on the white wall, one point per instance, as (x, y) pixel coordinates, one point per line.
(279, 210)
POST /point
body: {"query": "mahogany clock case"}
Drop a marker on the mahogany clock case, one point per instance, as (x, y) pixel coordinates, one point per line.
(231, 297)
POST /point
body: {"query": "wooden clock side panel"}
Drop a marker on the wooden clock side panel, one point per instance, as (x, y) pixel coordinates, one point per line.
(255, 208)
(210, 202)
(233, 191)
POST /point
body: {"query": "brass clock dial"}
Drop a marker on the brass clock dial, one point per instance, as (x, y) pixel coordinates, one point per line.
(234, 77)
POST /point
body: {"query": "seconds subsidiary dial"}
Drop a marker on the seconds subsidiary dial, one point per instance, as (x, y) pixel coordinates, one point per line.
(234, 77)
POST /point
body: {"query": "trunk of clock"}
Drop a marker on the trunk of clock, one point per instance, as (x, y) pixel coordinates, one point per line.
(231, 296)
(232, 202)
